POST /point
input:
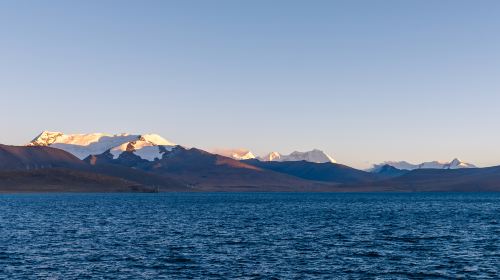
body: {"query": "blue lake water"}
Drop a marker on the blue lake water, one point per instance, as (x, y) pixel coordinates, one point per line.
(250, 236)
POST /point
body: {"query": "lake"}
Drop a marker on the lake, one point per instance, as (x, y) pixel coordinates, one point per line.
(250, 236)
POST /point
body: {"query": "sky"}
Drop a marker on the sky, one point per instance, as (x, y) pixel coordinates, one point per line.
(365, 81)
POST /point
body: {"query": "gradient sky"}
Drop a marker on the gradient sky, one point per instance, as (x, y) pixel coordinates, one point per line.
(366, 81)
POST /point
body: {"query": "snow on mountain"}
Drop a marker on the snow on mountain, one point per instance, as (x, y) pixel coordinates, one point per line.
(315, 155)
(156, 140)
(46, 138)
(148, 146)
(238, 154)
(403, 165)
(83, 145)
(457, 164)
(311, 156)
(273, 156)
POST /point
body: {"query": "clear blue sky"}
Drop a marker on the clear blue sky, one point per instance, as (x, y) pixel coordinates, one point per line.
(366, 81)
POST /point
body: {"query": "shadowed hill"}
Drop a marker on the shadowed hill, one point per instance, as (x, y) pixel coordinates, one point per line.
(388, 171)
(326, 172)
(159, 182)
(25, 158)
(65, 180)
(440, 180)
(42, 169)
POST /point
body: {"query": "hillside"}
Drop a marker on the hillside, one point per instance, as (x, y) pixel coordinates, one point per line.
(439, 180)
(209, 172)
(326, 172)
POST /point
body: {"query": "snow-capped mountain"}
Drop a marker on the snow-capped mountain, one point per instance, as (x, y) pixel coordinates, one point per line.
(404, 165)
(273, 156)
(147, 146)
(316, 156)
(456, 164)
(237, 154)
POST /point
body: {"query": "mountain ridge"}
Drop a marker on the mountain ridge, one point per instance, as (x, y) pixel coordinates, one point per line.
(404, 165)
(41, 168)
(208, 172)
(150, 163)
(314, 155)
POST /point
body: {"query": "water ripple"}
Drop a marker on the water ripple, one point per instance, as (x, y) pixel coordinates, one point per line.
(250, 236)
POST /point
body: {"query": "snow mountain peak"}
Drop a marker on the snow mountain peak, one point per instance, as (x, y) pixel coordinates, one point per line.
(404, 165)
(315, 155)
(272, 156)
(45, 138)
(237, 154)
(84, 145)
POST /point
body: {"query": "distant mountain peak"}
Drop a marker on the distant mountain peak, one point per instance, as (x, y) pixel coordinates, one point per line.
(387, 167)
(404, 165)
(315, 155)
(272, 156)
(457, 163)
(389, 171)
(237, 154)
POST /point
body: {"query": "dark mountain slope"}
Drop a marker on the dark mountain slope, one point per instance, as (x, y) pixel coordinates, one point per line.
(388, 171)
(441, 180)
(159, 182)
(41, 169)
(65, 180)
(25, 158)
(209, 172)
(326, 172)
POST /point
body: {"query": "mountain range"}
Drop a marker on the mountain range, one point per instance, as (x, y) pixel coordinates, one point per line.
(314, 155)
(404, 165)
(99, 162)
